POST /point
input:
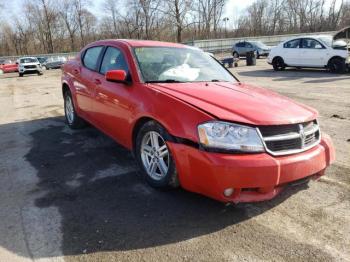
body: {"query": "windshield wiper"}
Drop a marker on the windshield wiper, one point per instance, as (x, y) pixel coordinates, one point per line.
(218, 80)
(165, 81)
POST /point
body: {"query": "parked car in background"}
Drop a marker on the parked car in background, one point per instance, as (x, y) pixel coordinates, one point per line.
(42, 59)
(29, 65)
(190, 122)
(243, 47)
(54, 62)
(310, 51)
(8, 66)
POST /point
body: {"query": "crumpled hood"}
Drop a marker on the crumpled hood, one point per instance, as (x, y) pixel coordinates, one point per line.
(239, 102)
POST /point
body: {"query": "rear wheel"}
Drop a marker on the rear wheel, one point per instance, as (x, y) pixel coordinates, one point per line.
(154, 157)
(337, 65)
(72, 119)
(278, 64)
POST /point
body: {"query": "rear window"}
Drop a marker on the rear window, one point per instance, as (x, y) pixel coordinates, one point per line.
(91, 57)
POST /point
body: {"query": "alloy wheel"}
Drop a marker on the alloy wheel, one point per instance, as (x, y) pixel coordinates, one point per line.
(69, 109)
(155, 155)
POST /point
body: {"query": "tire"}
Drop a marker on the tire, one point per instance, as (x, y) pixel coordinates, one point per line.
(278, 64)
(159, 172)
(257, 55)
(40, 73)
(235, 55)
(72, 119)
(337, 65)
(20, 75)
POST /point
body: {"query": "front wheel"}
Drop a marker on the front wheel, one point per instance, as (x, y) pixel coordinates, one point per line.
(72, 119)
(278, 64)
(154, 157)
(20, 75)
(337, 65)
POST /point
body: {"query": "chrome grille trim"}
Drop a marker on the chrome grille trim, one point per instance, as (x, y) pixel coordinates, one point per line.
(306, 137)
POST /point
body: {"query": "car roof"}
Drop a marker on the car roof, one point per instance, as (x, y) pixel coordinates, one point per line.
(28, 57)
(141, 43)
(307, 36)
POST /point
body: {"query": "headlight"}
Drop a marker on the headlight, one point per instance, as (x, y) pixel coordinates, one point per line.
(225, 136)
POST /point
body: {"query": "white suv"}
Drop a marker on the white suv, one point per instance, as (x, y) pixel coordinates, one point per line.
(310, 51)
(29, 65)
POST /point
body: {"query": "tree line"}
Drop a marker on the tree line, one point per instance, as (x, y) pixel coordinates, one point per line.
(51, 26)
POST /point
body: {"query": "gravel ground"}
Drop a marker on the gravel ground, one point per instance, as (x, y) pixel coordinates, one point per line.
(77, 196)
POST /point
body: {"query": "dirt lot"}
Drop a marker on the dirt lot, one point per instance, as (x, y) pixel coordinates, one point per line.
(77, 196)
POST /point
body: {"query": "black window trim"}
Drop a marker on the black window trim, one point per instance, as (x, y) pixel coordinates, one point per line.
(301, 43)
(102, 56)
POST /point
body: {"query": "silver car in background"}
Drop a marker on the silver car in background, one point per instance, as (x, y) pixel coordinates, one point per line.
(243, 47)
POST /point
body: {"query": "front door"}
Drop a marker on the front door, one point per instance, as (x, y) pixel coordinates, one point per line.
(313, 53)
(111, 105)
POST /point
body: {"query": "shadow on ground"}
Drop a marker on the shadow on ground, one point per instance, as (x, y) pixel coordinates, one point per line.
(293, 73)
(105, 205)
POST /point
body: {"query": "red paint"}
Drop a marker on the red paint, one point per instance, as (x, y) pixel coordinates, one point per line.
(116, 75)
(115, 108)
(9, 67)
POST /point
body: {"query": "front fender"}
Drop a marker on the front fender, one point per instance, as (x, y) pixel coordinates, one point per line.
(179, 118)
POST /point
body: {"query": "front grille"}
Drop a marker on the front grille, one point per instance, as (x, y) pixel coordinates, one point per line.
(289, 139)
(30, 66)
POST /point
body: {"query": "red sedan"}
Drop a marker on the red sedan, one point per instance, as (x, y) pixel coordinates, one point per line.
(7, 66)
(190, 122)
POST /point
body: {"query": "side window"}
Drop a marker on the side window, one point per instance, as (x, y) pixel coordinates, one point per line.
(311, 44)
(91, 57)
(241, 44)
(249, 45)
(292, 44)
(113, 60)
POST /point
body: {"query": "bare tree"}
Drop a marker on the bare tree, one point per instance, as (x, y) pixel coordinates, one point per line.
(111, 8)
(67, 13)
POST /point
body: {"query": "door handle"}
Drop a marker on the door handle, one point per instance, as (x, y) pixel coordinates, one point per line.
(97, 81)
(76, 71)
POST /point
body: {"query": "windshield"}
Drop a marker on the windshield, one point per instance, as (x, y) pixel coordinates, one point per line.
(28, 60)
(328, 40)
(170, 64)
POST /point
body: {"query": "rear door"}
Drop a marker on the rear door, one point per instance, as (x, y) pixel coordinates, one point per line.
(291, 52)
(83, 78)
(240, 48)
(249, 47)
(313, 53)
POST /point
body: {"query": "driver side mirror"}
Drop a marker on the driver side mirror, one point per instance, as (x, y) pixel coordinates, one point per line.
(118, 76)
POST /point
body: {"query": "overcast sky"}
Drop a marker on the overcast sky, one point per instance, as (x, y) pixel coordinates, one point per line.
(232, 10)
